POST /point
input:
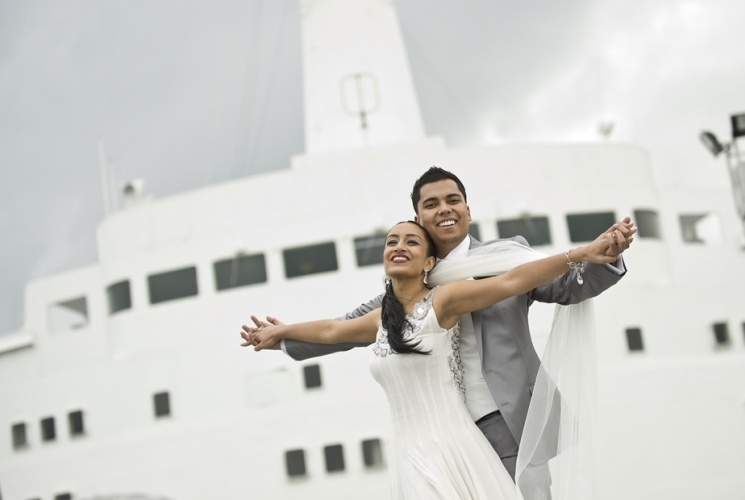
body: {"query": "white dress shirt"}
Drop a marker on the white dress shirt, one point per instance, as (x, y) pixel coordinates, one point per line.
(478, 398)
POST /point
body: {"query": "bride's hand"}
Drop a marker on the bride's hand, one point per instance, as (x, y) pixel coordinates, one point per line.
(264, 335)
(249, 333)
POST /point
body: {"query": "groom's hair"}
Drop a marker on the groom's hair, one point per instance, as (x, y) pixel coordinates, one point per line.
(434, 174)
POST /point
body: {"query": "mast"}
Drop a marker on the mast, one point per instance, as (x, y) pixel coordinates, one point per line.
(358, 88)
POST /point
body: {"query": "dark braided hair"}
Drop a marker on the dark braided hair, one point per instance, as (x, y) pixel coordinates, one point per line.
(393, 316)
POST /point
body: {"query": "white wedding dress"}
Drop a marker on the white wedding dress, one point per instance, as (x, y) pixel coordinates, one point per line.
(437, 451)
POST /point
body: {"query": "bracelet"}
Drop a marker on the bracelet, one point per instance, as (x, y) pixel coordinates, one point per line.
(575, 265)
(570, 262)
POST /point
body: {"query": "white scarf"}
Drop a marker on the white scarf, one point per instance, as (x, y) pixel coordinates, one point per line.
(560, 424)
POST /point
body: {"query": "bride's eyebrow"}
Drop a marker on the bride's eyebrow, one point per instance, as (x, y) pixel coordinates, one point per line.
(410, 235)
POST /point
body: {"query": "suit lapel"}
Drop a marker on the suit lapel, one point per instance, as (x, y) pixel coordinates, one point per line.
(476, 315)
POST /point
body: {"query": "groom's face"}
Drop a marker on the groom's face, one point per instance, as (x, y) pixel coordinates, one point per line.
(443, 212)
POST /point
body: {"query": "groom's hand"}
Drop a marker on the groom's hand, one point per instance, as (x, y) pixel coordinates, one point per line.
(620, 235)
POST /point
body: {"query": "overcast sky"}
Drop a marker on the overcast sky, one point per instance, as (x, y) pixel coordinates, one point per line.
(186, 93)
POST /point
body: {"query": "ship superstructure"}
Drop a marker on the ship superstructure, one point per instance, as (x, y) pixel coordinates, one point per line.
(127, 379)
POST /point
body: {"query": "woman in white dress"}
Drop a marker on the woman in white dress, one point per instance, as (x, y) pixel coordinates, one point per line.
(437, 450)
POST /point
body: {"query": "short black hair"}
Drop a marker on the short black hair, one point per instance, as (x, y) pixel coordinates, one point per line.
(434, 174)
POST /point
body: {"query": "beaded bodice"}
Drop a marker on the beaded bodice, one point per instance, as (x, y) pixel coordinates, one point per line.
(421, 324)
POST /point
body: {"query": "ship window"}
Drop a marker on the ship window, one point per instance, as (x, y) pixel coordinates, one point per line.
(295, 462)
(312, 376)
(75, 422)
(161, 404)
(18, 432)
(474, 230)
(68, 315)
(634, 339)
(372, 453)
(647, 224)
(172, 285)
(587, 227)
(700, 228)
(721, 334)
(310, 259)
(241, 270)
(369, 249)
(334, 455)
(119, 297)
(48, 432)
(533, 229)
(63, 496)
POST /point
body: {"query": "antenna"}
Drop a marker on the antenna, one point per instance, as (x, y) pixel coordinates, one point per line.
(364, 84)
(105, 181)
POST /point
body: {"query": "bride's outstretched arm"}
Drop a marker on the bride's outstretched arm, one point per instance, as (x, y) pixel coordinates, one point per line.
(461, 297)
(325, 331)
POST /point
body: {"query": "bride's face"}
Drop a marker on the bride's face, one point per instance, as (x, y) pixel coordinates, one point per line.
(407, 252)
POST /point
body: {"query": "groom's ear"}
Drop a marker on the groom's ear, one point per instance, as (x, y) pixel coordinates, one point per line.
(416, 219)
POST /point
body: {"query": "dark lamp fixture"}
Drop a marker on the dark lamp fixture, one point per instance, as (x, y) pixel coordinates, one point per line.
(711, 142)
(738, 125)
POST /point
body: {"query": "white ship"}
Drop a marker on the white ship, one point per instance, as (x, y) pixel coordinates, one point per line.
(127, 380)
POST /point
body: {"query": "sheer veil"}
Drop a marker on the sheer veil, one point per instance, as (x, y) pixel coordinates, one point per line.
(558, 433)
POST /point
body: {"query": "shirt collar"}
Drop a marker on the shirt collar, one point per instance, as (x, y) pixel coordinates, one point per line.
(461, 250)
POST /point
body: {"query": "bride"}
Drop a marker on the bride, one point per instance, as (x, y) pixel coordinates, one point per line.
(438, 451)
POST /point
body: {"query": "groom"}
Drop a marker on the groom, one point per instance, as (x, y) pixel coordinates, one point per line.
(499, 360)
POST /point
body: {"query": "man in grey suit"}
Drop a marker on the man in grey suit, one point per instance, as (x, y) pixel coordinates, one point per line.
(499, 360)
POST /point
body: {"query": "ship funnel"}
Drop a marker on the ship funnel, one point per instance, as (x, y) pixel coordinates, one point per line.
(358, 89)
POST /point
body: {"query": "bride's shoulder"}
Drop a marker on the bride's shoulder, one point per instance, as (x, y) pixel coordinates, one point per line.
(438, 296)
(441, 298)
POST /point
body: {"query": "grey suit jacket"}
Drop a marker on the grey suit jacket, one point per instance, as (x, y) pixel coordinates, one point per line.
(508, 359)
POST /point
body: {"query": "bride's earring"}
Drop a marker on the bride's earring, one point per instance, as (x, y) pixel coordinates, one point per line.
(426, 274)
(386, 280)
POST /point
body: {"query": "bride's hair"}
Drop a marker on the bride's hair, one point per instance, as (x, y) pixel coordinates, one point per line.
(393, 316)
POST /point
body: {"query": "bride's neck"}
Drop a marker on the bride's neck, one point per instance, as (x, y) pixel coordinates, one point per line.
(409, 292)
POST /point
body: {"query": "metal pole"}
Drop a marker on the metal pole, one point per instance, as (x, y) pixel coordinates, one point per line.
(736, 168)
